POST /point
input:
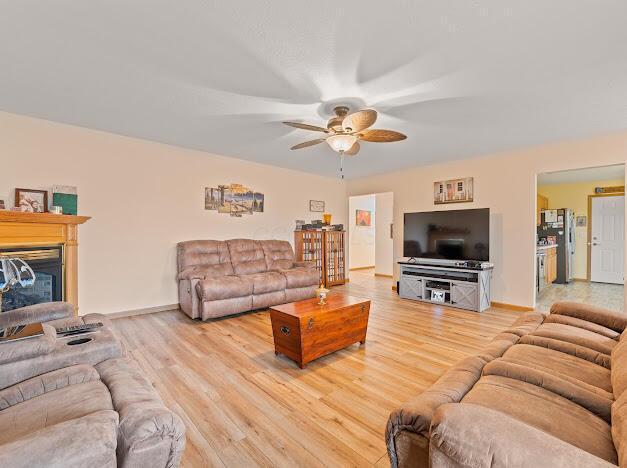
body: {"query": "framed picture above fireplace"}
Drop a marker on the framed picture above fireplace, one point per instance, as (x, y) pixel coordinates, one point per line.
(31, 200)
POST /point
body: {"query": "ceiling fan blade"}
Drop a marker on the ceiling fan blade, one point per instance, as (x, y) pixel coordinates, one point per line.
(353, 150)
(303, 126)
(381, 136)
(359, 120)
(308, 143)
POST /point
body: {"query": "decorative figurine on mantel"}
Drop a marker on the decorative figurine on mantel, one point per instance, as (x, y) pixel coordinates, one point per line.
(321, 293)
(14, 271)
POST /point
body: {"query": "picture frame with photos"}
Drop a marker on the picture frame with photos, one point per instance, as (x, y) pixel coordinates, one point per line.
(31, 200)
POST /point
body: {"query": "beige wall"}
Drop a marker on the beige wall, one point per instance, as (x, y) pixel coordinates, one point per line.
(575, 197)
(505, 183)
(145, 197)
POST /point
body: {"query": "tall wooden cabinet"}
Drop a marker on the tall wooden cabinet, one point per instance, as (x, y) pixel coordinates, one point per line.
(327, 250)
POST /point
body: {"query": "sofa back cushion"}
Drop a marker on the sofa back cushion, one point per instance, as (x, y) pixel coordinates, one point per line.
(619, 368)
(210, 255)
(246, 256)
(619, 428)
(278, 254)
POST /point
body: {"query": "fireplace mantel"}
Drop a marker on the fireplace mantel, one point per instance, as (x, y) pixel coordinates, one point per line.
(19, 229)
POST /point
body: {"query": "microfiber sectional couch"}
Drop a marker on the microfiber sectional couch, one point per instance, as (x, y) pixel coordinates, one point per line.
(79, 406)
(551, 391)
(218, 278)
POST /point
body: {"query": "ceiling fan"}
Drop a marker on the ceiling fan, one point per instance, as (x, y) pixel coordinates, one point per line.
(344, 131)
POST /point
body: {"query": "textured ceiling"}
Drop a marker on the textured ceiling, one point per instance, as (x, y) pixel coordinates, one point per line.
(459, 78)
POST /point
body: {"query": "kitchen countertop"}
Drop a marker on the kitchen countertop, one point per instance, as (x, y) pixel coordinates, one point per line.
(547, 246)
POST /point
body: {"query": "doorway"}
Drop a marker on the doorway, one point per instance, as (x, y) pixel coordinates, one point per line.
(370, 234)
(581, 237)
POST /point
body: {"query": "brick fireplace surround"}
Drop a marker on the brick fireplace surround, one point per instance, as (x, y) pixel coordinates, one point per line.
(45, 229)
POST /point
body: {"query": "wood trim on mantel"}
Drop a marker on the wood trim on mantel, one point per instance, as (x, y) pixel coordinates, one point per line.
(18, 229)
(42, 218)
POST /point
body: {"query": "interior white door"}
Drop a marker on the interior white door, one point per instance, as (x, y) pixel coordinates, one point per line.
(608, 239)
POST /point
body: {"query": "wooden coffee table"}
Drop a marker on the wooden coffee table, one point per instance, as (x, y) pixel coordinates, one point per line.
(305, 330)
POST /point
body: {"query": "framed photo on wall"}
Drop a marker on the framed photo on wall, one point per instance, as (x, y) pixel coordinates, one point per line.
(363, 218)
(316, 205)
(453, 191)
(31, 200)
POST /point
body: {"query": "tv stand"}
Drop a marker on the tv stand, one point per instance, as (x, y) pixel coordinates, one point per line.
(461, 287)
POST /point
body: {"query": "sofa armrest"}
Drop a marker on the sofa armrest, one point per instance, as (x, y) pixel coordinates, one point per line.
(149, 433)
(43, 312)
(415, 415)
(18, 350)
(305, 264)
(465, 435)
(600, 316)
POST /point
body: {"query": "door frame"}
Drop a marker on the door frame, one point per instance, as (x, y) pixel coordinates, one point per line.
(588, 242)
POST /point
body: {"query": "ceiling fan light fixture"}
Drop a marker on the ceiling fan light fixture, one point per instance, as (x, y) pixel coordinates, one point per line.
(341, 143)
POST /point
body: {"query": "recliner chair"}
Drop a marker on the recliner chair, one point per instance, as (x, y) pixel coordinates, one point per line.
(64, 405)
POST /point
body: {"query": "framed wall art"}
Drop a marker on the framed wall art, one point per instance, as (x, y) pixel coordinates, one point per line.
(316, 205)
(453, 191)
(31, 200)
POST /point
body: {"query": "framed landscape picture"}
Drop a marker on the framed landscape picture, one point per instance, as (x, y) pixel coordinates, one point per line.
(453, 191)
(32, 201)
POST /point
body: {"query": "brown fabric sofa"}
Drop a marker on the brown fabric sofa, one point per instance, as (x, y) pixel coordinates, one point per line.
(77, 406)
(218, 278)
(549, 391)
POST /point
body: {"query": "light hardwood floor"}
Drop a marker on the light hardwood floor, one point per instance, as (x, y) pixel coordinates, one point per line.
(243, 406)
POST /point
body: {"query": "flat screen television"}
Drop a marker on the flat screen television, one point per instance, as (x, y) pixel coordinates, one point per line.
(448, 235)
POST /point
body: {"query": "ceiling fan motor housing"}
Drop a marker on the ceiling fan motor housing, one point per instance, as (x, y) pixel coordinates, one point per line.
(335, 123)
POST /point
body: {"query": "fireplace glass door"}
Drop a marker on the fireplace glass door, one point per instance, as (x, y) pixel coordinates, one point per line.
(47, 263)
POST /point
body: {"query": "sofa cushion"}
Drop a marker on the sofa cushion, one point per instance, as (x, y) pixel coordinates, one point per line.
(202, 252)
(89, 441)
(546, 411)
(301, 277)
(597, 401)
(619, 428)
(579, 323)
(576, 335)
(225, 287)
(560, 363)
(206, 271)
(526, 323)
(268, 281)
(247, 256)
(279, 254)
(50, 408)
(566, 347)
(619, 369)
(607, 318)
(48, 382)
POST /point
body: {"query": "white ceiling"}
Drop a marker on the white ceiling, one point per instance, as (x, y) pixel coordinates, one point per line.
(459, 78)
(592, 174)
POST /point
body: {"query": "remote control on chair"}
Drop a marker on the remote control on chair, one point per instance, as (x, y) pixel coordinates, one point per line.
(78, 329)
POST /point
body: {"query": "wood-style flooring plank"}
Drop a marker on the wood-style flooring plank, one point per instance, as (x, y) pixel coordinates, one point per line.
(244, 406)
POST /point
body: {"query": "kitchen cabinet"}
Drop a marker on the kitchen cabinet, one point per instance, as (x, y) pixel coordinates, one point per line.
(542, 204)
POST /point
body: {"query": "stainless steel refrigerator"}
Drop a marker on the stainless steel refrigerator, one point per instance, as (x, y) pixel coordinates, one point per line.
(560, 224)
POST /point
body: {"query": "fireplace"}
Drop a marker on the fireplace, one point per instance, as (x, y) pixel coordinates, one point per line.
(47, 263)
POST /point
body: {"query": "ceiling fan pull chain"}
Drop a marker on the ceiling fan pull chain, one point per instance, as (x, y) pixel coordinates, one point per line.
(342, 164)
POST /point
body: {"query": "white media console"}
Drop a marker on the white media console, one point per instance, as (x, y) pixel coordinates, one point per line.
(455, 286)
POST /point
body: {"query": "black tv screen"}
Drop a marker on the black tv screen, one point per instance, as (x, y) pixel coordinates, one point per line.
(449, 235)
